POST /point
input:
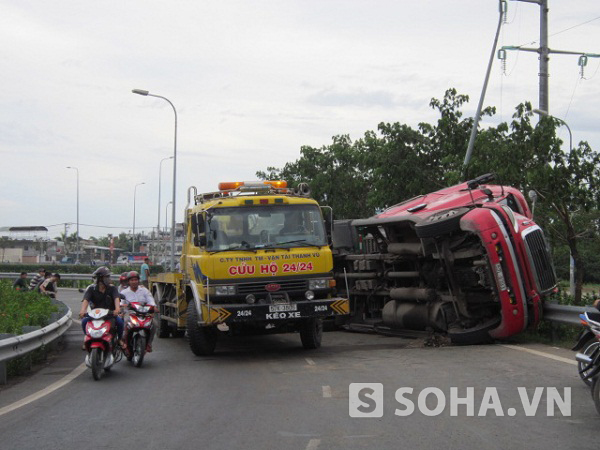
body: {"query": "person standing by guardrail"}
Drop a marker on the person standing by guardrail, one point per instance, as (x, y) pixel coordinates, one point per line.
(20, 283)
(49, 287)
(145, 272)
(38, 279)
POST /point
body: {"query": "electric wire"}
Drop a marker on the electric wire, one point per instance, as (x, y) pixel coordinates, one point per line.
(561, 31)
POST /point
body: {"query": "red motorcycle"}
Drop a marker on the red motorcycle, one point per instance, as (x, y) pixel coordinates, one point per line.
(101, 342)
(138, 329)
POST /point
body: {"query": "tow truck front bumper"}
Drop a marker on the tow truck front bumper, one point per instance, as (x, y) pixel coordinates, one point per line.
(238, 313)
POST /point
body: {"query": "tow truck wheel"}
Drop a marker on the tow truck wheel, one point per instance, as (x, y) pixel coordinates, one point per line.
(163, 328)
(163, 325)
(202, 339)
(311, 332)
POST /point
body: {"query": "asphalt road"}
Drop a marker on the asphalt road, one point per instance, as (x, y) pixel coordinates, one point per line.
(267, 392)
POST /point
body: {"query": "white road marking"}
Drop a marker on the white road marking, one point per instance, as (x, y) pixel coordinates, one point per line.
(313, 444)
(310, 362)
(326, 391)
(544, 354)
(48, 390)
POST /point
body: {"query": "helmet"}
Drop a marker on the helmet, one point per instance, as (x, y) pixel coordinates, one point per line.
(133, 274)
(123, 277)
(101, 272)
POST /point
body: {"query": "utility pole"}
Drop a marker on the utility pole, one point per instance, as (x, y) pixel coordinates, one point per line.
(471, 145)
(544, 54)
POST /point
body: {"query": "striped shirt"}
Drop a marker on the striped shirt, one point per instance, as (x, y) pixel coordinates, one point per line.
(35, 281)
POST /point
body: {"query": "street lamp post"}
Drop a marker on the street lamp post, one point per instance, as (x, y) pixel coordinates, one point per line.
(571, 260)
(146, 93)
(545, 113)
(133, 240)
(76, 169)
(159, 182)
(166, 224)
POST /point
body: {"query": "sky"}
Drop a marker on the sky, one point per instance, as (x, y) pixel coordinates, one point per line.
(252, 82)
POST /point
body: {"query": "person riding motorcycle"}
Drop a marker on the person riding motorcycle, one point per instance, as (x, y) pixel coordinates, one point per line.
(123, 283)
(139, 294)
(102, 294)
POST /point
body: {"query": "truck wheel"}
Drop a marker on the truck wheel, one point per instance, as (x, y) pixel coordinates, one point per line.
(202, 339)
(177, 333)
(442, 222)
(163, 325)
(311, 331)
(163, 328)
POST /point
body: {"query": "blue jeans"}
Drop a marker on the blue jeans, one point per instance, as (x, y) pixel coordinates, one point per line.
(119, 322)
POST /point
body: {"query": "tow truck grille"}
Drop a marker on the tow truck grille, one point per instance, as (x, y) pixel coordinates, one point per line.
(538, 253)
(260, 286)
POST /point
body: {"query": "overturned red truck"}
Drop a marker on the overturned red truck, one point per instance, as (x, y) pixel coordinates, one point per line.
(467, 261)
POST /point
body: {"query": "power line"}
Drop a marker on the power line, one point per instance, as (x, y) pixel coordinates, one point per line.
(561, 31)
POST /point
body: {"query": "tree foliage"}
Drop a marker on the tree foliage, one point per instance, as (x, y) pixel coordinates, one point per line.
(396, 162)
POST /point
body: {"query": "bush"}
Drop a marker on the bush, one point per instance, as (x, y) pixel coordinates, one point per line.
(18, 309)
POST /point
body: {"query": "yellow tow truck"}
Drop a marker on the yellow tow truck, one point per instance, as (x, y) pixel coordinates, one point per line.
(256, 259)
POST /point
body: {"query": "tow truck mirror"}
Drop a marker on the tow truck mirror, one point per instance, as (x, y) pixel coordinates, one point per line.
(198, 230)
(328, 217)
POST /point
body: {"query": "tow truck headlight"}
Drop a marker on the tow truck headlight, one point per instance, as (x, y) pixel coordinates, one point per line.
(318, 284)
(310, 295)
(250, 299)
(224, 290)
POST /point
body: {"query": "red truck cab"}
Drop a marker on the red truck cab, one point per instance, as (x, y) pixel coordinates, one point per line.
(467, 260)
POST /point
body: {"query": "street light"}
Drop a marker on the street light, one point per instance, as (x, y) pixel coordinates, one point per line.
(77, 258)
(166, 227)
(571, 260)
(133, 240)
(159, 178)
(166, 216)
(545, 113)
(146, 93)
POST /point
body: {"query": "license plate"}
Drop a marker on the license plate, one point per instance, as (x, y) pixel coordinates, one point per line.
(283, 308)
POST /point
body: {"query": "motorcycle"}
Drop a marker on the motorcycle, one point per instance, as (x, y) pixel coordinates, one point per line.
(101, 342)
(588, 361)
(138, 328)
(589, 342)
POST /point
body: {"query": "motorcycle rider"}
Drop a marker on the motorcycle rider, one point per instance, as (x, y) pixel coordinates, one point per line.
(102, 294)
(123, 284)
(139, 294)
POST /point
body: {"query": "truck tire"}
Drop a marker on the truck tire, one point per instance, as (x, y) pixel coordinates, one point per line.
(202, 339)
(442, 222)
(163, 326)
(311, 332)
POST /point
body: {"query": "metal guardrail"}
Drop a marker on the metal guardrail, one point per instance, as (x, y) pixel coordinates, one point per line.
(63, 276)
(565, 314)
(16, 346)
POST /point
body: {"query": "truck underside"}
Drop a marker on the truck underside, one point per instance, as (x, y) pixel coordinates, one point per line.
(401, 281)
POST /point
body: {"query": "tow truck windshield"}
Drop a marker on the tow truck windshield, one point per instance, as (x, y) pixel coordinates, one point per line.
(269, 226)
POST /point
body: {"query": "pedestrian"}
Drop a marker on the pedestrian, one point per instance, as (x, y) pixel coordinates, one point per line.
(49, 287)
(38, 279)
(145, 272)
(20, 283)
